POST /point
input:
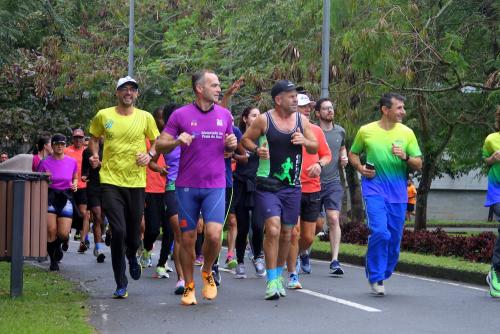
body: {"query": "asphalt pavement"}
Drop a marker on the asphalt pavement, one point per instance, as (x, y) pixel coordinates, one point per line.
(326, 304)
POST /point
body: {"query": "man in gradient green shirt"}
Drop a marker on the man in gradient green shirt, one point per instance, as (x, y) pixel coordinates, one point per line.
(491, 155)
(391, 149)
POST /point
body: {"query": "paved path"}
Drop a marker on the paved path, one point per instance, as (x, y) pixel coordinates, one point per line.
(333, 305)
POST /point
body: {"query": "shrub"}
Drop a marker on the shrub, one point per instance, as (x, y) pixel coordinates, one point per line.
(473, 248)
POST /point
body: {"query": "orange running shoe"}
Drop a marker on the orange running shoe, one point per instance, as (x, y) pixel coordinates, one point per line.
(189, 296)
(209, 290)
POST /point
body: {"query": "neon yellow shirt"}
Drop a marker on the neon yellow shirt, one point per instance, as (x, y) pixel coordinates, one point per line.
(124, 137)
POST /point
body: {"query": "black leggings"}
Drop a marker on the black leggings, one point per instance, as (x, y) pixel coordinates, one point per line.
(246, 219)
(154, 217)
(166, 244)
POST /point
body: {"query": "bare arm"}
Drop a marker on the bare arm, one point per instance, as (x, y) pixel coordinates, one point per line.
(94, 152)
(307, 139)
(356, 163)
(166, 143)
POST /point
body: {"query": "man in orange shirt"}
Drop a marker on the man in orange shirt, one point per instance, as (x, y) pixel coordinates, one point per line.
(412, 199)
(80, 196)
(310, 200)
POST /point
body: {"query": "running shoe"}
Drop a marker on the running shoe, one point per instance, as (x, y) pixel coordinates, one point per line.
(168, 268)
(260, 266)
(87, 241)
(335, 268)
(216, 274)
(145, 259)
(492, 280)
(83, 248)
(77, 236)
(231, 262)
(134, 268)
(161, 272)
(305, 264)
(293, 282)
(240, 271)
(107, 237)
(199, 260)
(99, 254)
(272, 290)
(281, 289)
(65, 245)
(189, 296)
(209, 290)
(378, 288)
(120, 293)
(179, 287)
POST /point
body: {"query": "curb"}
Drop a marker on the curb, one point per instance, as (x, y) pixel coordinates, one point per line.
(415, 269)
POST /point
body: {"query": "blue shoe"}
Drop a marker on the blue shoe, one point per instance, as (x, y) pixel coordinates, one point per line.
(120, 293)
(293, 282)
(134, 268)
(335, 268)
(216, 275)
(305, 265)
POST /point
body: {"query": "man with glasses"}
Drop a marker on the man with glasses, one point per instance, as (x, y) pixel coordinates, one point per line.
(80, 218)
(123, 174)
(332, 191)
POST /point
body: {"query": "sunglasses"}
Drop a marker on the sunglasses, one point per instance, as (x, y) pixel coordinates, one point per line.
(59, 143)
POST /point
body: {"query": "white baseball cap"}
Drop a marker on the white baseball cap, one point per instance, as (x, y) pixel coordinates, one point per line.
(304, 100)
(125, 80)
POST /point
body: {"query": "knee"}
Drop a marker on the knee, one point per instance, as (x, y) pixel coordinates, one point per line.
(188, 238)
(212, 238)
(286, 234)
(272, 231)
(308, 239)
(380, 235)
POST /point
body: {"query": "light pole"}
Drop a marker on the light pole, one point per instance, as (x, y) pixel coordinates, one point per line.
(131, 40)
(325, 49)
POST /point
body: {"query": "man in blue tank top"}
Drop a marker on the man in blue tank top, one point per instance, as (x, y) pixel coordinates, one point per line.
(281, 133)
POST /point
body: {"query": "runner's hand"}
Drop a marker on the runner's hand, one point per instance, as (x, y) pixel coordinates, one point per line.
(263, 152)
(185, 139)
(142, 159)
(230, 141)
(74, 185)
(314, 170)
(94, 161)
(368, 173)
(298, 138)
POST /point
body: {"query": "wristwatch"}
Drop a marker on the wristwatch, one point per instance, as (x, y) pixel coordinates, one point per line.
(407, 158)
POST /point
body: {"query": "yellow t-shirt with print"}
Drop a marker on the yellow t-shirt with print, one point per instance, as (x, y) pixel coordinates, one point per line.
(123, 139)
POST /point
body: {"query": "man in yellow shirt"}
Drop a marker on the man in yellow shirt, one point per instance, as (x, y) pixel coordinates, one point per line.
(123, 174)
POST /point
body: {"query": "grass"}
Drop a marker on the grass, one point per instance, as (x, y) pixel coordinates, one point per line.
(410, 258)
(50, 304)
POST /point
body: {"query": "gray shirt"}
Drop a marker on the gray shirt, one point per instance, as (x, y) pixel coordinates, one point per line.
(335, 139)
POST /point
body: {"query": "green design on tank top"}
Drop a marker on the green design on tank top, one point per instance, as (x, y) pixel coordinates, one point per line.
(285, 171)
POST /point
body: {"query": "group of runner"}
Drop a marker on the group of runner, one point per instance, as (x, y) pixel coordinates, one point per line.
(172, 170)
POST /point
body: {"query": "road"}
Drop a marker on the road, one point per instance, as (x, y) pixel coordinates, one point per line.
(326, 304)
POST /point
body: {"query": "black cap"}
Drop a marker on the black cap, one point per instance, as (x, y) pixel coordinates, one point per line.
(284, 86)
(58, 138)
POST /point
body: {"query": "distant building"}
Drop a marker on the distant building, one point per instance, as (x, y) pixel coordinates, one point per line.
(458, 199)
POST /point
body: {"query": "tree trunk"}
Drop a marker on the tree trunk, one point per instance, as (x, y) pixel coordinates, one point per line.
(357, 213)
(422, 192)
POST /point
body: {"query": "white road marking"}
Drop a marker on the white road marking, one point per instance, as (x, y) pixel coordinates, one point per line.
(433, 280)
(104, 316)
(340, 301)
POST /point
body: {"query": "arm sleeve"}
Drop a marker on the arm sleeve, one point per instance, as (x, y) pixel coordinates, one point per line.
(172, 126)
(358, 144)
(85, 162)
(323, 149)
(413, 149)
(96, 126)
(487, 151)
(151, 129)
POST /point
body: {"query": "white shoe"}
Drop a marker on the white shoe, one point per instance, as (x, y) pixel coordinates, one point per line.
(378, 288)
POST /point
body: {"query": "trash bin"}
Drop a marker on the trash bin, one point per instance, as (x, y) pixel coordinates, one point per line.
(23, 216)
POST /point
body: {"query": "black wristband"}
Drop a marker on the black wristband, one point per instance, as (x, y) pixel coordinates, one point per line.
(407, 158)
(150, 155)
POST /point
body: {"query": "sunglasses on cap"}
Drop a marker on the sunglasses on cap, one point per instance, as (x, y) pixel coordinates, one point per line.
(59, 143)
